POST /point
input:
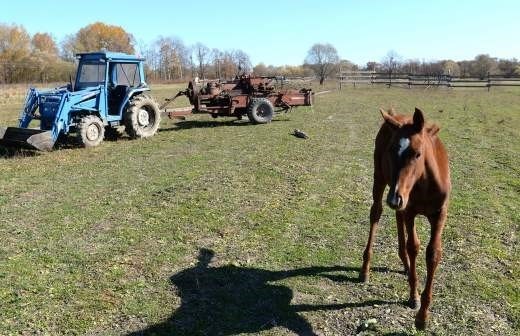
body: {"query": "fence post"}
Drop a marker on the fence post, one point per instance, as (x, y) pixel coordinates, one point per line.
(489, 82)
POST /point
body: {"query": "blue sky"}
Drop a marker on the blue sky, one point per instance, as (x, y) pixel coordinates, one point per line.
(281, 32)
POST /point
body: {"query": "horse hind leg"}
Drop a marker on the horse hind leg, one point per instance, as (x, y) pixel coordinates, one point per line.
(375, 214)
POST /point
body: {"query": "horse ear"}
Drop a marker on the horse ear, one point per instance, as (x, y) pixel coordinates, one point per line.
(433, 129)
(418, 119)
(389, 118)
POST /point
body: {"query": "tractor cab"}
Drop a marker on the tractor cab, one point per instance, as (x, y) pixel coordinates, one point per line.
(117, 73)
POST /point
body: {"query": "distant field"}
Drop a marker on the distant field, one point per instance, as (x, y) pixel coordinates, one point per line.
(105, 241)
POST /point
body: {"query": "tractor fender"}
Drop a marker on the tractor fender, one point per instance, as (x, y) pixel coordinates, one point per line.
(131, 93)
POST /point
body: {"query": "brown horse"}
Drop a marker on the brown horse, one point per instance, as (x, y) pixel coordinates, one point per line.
(412, 161)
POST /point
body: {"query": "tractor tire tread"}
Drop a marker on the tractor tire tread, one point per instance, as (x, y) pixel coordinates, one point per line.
(82, 127)
(253, 108)
(132, 126)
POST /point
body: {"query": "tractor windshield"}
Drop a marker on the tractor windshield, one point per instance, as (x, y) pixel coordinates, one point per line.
(90, 74)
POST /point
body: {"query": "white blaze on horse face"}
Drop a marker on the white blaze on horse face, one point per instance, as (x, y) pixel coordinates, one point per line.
(404, 143)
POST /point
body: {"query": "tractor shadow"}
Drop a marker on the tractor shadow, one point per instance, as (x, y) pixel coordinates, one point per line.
(189, 124)
(17, 153)
(230, 300)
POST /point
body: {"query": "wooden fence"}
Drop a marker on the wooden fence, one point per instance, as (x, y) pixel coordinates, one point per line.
(411, 80)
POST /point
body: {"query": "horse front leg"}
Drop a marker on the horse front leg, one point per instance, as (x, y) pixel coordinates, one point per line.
(412, 247)
(401, 239)
(433, 257)
(376, 210)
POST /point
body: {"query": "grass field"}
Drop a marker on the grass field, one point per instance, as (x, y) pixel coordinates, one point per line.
(114, 240)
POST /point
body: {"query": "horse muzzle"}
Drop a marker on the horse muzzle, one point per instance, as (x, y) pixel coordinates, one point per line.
(395, 200)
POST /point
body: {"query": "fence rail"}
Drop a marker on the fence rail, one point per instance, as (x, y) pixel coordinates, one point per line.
(411, 80)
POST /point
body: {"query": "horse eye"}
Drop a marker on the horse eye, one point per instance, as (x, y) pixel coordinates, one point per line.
(417, 155)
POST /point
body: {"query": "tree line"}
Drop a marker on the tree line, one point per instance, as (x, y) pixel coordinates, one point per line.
(479, 67)
(39, 58)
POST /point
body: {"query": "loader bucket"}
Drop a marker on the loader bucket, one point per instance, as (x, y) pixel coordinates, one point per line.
(26, 138)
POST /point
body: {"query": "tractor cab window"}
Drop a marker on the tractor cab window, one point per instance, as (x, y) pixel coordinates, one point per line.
(126, 74)
(90, 74)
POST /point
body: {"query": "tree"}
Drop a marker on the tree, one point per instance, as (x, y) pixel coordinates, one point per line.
(241, 61)
(216, 59)
(261, 69)
(67, 47)
(411, 66)
(43, 42)
(168, 58)
(100, 36)
(465, 68)
(372, 66)
(202, 56)
(45, 56)
(346, 65)
(391, 61)
(323, 59)
(508, 67)
(482, 65)
(15, 49)
(450, 67)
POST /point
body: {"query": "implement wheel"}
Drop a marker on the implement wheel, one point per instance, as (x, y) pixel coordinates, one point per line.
(260, 111)
(91, 131)
(142, 117)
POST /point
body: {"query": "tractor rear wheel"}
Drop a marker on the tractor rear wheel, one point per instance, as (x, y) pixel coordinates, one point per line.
(142, 117)
(91, 131)
(260, 111)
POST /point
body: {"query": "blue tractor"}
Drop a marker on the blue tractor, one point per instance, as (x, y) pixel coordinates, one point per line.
(109, 92)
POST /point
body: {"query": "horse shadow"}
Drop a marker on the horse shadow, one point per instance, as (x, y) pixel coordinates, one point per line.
(230, 300)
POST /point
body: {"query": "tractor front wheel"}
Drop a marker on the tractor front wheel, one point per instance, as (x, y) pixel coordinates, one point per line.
(142, 117)
(91, 131)
(260, 111)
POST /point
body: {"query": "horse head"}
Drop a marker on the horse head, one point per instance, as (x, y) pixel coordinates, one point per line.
(406, 153)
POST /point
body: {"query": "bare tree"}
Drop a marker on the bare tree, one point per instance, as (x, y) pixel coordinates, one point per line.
(372, 66)
(202, 54)
(465, 67)
(216, 60)
(391, 61)
(242, 62)
(323, 59)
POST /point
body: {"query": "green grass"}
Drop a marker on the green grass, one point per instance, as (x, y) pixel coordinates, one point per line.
(90, 238)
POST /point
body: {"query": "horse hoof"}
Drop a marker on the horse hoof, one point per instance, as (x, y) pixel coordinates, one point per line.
(363, 277)
(414, 303)
(420, 324)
